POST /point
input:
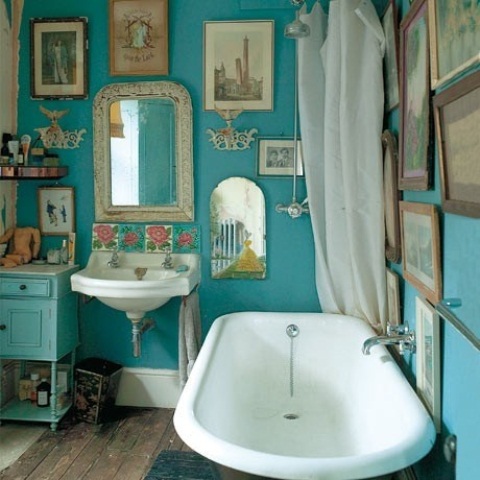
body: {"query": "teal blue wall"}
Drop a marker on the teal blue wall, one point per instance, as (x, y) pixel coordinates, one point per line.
(290, 280)
(460, 378)
(290, 277)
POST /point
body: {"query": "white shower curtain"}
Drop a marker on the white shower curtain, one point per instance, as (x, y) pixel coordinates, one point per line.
(341, 115)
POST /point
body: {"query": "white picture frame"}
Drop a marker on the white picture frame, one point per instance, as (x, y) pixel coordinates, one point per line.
(393, 298)
(428, 358)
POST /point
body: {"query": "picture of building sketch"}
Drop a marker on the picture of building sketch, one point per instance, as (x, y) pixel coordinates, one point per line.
(238, 65)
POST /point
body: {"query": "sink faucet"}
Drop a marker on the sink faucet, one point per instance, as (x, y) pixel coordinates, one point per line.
(396, 335)
(115, 260)
(168, 262)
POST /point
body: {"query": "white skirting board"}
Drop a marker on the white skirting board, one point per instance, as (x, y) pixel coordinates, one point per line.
(148, 387)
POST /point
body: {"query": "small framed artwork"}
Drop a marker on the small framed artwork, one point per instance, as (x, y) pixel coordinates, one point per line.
(238, 65)
(393, 298)
(56, 210)
(276, 157)
(428, 358)
(391, 197)
(457, 126)
(58, 58)
(415, 118)
(390, 60)
(138, 37)
(421, 248)
(454, 44)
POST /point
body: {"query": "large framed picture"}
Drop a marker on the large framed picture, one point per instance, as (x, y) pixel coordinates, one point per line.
(454, 44)
(138, 37)
(421, 248)
(276, 157)
(428, 358)
(58, 58)
(390, 60)
(393, 246)
(56, 210)
(415, 118)
(238, 65)
(457, 127)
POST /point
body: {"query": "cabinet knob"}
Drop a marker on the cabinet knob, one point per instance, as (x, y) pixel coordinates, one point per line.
(23, 287)
(3, 327)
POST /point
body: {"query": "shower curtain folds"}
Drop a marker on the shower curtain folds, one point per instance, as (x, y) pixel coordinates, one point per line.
(341, 120)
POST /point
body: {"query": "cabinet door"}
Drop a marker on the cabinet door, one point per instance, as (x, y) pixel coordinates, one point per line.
(25, 329)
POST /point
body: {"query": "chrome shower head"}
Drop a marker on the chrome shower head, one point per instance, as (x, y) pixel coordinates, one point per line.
(296, 29)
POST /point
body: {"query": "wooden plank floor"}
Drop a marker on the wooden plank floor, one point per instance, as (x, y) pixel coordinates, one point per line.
(122, 449)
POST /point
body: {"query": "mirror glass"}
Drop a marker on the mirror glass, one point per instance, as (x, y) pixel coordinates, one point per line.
(143, 152)
(237, 226)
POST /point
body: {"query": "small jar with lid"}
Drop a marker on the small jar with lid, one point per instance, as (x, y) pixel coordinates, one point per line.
(43, 393)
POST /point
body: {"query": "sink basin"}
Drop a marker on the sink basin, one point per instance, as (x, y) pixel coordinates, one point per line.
(120, 288)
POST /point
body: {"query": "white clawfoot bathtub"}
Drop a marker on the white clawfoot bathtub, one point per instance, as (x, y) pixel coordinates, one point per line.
(351, 416)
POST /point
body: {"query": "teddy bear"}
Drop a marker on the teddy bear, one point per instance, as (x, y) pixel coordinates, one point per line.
(26, 245)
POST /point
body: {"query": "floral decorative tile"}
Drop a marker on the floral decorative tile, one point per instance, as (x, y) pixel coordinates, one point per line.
(132, 238)
(186, 239)
(158, 238)
(104, 236)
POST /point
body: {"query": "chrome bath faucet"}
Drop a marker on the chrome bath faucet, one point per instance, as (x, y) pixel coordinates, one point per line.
(396, 335)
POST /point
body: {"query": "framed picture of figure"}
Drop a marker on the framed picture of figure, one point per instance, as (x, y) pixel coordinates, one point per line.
(58, 58)
(415, 110)
(276, 157)
(56, 210)
(238, 65)
(421, 248)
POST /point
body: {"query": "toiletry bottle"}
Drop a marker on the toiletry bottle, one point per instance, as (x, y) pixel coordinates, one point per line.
(43, 394)
(4, 152)
(34, 377)
(64, 252)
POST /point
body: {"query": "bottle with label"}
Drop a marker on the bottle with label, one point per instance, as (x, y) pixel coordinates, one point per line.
(35, 379)
(4, 152)
(43, 393)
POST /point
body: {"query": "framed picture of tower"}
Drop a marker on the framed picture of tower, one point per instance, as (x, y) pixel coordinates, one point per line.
(238, 65)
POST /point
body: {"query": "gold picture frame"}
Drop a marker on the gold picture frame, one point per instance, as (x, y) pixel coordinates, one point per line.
(238, 65)
(457, 126)
(421, 248)
(56, 210)
(58, 58)
(138, 37)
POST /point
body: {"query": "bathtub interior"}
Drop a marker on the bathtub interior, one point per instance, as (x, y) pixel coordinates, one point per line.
(344, 404)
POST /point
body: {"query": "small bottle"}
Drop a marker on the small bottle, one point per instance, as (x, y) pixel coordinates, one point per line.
(64, 252)
(43, 394)
(35, 378)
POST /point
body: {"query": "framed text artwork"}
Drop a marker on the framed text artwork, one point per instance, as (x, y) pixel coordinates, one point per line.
(58, 58)
(56, 210)
(415, 118)
(454, 38)
(276, 157)
(238, 65)
(457, 127)
(138, 37)
(390, 59)
(421, 248)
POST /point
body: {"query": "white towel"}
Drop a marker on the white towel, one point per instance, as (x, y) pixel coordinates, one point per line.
(189, 335)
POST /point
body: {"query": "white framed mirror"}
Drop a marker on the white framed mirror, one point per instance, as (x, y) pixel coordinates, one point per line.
(143, 161)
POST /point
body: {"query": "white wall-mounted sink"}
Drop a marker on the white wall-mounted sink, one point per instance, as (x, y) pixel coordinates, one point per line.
(120, 288)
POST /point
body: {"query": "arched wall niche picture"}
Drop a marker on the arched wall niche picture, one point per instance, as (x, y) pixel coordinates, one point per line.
(237, 230)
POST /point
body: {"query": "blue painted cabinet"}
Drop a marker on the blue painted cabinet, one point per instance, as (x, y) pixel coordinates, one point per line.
(38, 323)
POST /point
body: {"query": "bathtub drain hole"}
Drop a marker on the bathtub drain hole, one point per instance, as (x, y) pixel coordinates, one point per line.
(290, 416)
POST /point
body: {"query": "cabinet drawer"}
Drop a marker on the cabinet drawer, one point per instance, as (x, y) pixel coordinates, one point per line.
(26, 288)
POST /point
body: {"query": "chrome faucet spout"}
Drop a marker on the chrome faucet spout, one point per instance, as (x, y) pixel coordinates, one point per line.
(404, 341)
(168, 262)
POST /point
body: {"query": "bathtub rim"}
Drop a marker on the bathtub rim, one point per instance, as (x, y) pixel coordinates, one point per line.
(413, 447)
